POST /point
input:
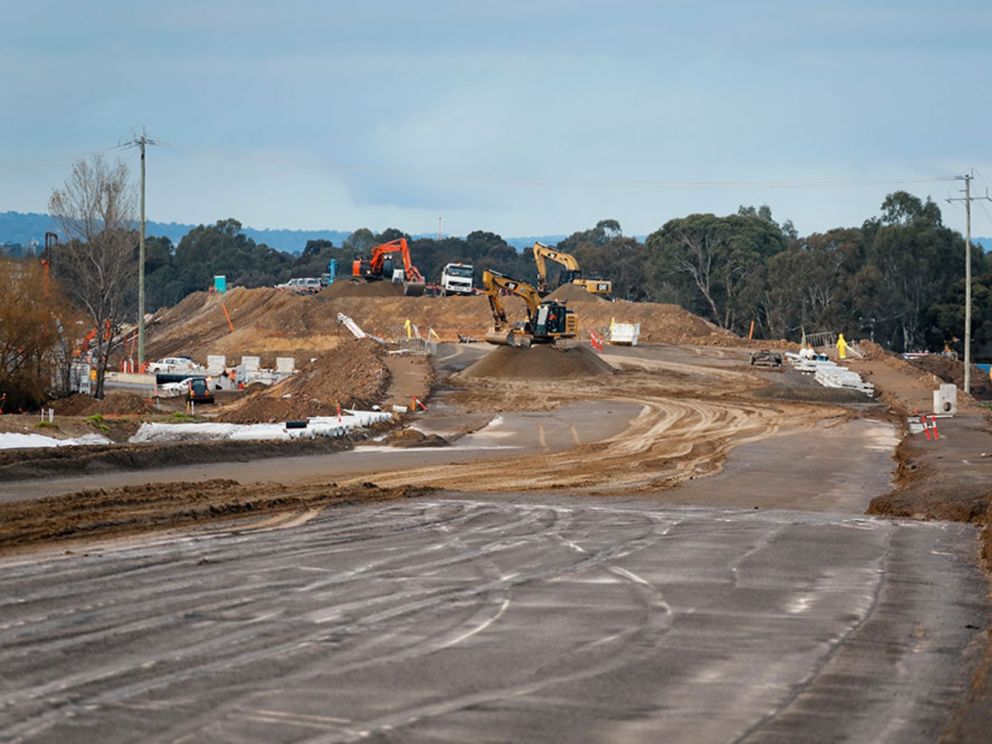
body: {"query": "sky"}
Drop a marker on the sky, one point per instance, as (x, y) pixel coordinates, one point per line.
(522, 117)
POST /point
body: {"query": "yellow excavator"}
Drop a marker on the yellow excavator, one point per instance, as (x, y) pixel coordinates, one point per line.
(548, 321)
(570, 272)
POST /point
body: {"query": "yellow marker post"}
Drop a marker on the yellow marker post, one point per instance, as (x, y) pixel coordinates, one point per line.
(409, 328)
(841, 347)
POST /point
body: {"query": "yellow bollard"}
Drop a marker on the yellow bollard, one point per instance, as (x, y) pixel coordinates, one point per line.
(841, 347)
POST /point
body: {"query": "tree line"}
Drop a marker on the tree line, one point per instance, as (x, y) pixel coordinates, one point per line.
(897, 279)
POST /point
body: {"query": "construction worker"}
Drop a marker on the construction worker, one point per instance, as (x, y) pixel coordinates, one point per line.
(841, 347)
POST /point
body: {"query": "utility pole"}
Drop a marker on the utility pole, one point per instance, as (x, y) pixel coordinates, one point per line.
(967, 199)
(439, 229)
(141, 142)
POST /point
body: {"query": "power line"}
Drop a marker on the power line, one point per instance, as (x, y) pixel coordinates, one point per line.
(392, 169)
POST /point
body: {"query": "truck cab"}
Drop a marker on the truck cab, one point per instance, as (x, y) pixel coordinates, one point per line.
(457, 278)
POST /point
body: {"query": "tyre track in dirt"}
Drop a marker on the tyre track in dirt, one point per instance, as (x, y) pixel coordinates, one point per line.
(675, 437)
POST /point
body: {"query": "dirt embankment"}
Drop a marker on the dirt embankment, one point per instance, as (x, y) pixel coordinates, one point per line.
(352, 375)
(102, 514)
(952, 371)
(269, 322)
(949, 478)
(114, 403)
(575, 293)
(53, 462)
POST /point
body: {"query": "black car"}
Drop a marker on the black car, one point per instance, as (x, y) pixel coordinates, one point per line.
(199, 391)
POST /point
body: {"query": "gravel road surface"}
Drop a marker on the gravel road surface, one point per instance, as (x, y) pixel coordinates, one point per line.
(510, 620)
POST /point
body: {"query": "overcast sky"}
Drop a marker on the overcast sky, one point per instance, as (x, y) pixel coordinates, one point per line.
(521, 117)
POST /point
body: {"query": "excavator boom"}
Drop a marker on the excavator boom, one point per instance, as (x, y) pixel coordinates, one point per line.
(570, 272)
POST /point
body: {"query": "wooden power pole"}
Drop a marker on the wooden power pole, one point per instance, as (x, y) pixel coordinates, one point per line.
(967, 199)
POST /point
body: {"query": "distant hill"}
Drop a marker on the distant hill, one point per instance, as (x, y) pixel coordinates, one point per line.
(26, 227)
(29, 228)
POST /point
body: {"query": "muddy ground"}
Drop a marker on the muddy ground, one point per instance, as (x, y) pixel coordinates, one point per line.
(102, 514)
(697, 405)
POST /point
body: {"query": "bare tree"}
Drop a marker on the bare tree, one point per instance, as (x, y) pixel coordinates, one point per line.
(96, 208)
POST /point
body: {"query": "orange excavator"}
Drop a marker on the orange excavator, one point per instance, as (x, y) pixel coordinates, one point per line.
(382, 265)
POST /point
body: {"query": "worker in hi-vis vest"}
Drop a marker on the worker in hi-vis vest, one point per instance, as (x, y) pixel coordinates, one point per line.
(841, 347)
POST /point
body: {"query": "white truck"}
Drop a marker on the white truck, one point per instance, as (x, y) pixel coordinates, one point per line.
(457, 278)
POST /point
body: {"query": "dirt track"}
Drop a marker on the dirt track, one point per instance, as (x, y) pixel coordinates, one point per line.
(691, 416)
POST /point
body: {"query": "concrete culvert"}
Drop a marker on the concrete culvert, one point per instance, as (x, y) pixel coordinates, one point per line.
(538, 363)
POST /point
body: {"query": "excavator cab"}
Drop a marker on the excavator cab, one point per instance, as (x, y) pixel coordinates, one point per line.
(553, 320)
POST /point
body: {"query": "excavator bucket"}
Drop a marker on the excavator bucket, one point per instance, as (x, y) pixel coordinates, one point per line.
(508, 338)
(414, 289)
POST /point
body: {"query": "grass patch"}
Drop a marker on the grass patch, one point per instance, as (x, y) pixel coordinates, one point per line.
(98, 422)
(46, 425)
(180, 417)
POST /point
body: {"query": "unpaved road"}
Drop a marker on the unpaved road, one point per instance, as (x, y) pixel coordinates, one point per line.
(459, 620)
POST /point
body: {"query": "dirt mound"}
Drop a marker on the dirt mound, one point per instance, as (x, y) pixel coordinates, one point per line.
(538, 363)
(952, 371)
(412, 438)
(116, 403)
(266, 322)
(352, 375)
(271, 323)
(574, 293)
(348, 288)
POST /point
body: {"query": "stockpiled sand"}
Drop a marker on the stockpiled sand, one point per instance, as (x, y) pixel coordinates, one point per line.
(538, 363)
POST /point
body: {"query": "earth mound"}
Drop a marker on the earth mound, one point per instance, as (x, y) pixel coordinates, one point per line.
(115, 403)
(406, 438)
(574, 293)
(351, 375)
(538, 363)
(348, 288)
(952, 371)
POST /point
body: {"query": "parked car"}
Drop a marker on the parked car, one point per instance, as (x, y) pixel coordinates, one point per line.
(302, 285)
(173, 365)
(174, 389)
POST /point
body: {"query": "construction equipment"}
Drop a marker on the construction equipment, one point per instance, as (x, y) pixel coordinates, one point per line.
(570, 272)
(548, 321)
(382, 265)
(766, 358)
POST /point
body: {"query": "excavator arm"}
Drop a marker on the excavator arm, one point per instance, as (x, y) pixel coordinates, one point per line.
(374, 267)
(400, 246)
(544, 253)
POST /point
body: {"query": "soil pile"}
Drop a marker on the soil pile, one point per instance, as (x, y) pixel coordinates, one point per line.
(412, 438)
(952, 371)
(135, 509)
(352, 375)
(116, 403)
(348, 288)
(574, 293)
(538, 363)
(268, 322)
